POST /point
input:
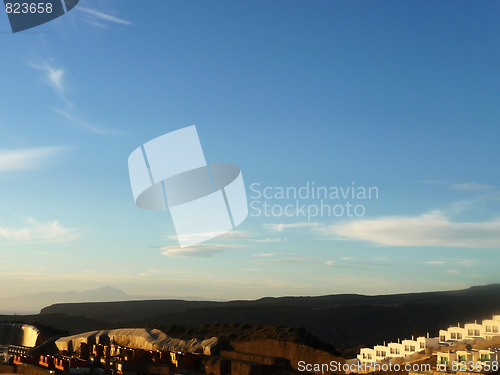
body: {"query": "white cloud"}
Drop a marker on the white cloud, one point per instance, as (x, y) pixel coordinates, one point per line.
(466, 186)
(435, 262)
(471, 186)
(281, 227)
(268, 240)
(266, 255)
(53, 76)
(453, 272)
(29, 158)
(95, 15)
(280, 258)
(229, 238)
(56, 79)
(231, 235)
(202, 250)
(288, 258)
(37, 233)
(467, 262)
(430, 229)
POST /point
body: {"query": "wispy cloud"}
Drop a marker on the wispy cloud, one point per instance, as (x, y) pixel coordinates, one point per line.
(54, 76)
(466, 186)
(94, 15)
(471, 186)
(236, 239)
(282, 226)
(288, 258)
(281, 258)
(202, 250)
(30, 158)
(37, 233)
(461, 262)
(83, 124)
(467, 262)
(268, 240)
(430, 229)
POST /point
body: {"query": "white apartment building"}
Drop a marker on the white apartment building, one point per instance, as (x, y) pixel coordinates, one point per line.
(473, 331)
(396, 349)
(455, 333)
(381, 352)
(410, 347)
(491, 327)
(366, 355)
(427, 342)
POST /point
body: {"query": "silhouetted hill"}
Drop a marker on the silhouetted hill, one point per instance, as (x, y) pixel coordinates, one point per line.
(32, 303)
(346, 321)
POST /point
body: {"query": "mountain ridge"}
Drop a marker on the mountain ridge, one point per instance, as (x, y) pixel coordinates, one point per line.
(346, 321)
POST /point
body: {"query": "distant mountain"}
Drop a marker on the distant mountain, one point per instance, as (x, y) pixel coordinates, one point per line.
(346, 321)
(33, 303)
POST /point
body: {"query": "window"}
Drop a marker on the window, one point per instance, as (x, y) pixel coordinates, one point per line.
(412, 348)
(488, 328)
(495, 329)
(442, 338)
(422, 345)
(407, 348)
(459, 336)
(477, 332)
(485, 357)
(470, 332)
(453, 336)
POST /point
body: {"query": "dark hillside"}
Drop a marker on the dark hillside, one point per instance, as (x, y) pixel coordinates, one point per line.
(345, 321)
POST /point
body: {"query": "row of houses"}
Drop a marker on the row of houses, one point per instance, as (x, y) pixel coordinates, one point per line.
(110, 360)
(397, 349)
(488, 329)
(93, 358)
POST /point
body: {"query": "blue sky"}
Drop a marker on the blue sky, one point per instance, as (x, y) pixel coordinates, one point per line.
(403, 97)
